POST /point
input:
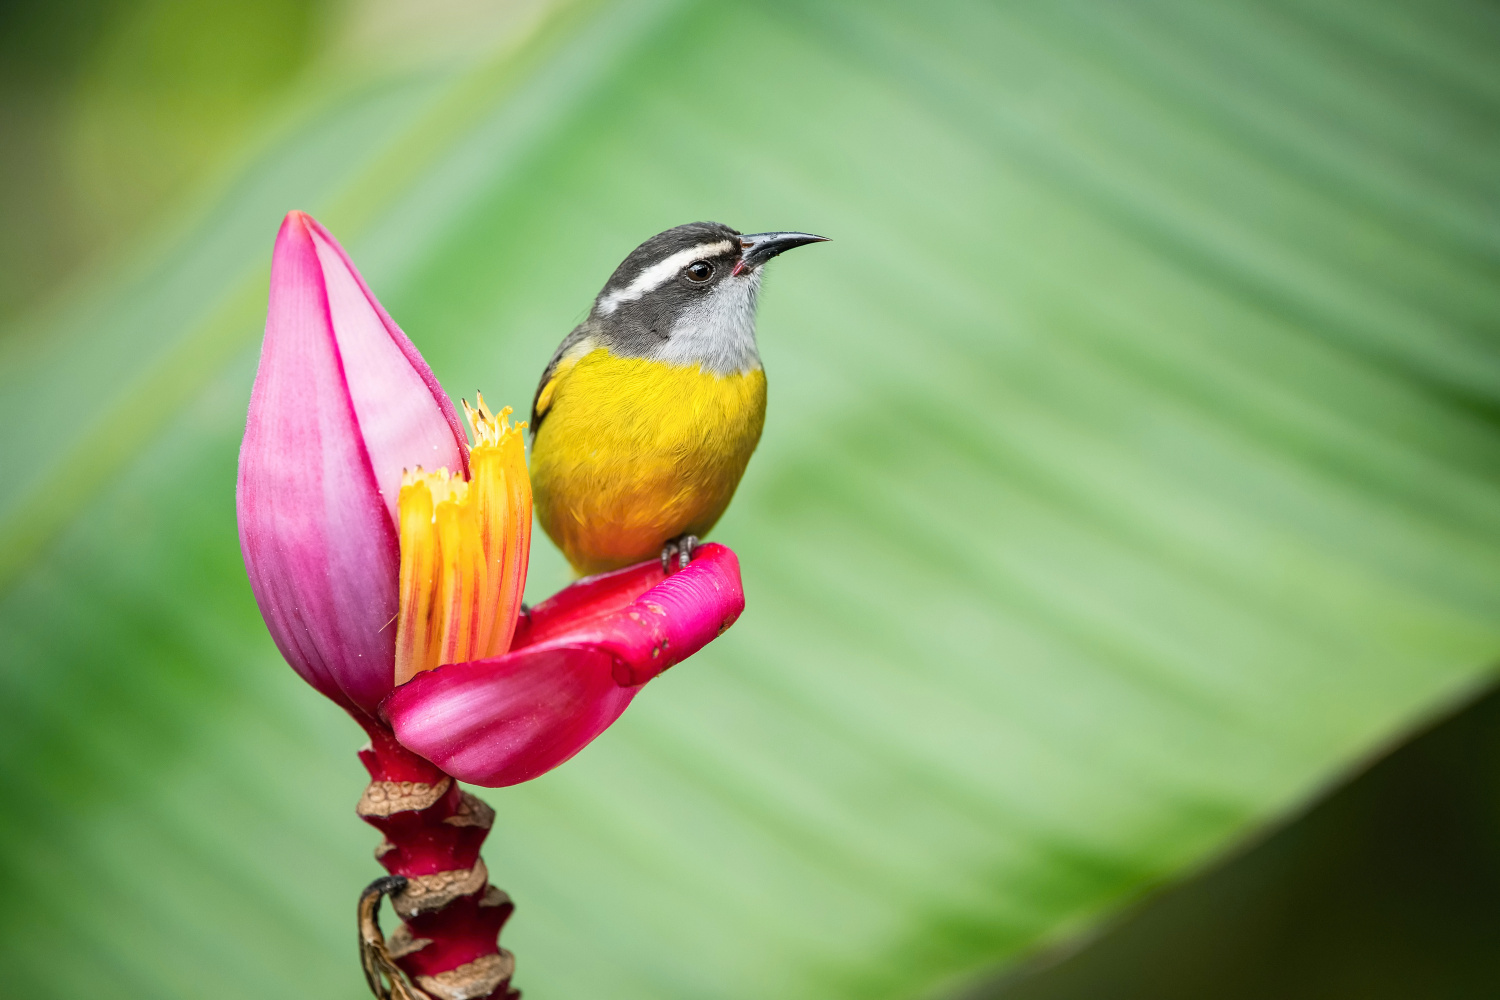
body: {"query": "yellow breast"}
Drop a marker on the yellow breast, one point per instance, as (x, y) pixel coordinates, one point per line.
(632, 453)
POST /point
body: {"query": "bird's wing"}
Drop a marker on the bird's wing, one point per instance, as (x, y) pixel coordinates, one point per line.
(574, 346)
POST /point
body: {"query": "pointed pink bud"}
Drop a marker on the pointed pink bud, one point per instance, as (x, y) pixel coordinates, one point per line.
(342, 404)
(575, 665)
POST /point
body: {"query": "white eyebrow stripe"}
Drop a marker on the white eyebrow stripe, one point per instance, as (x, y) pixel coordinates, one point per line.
(658, 274)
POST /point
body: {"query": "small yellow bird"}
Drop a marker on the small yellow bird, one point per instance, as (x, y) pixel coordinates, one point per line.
(645, 418)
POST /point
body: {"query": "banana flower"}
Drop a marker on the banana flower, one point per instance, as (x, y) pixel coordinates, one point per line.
(388, 555)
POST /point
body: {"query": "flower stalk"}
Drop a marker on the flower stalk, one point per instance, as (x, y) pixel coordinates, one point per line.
(446, 945)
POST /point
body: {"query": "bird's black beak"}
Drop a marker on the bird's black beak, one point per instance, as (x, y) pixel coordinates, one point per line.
(757, 248)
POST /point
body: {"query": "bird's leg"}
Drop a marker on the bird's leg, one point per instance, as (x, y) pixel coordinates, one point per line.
(678, 551)
(686, 546)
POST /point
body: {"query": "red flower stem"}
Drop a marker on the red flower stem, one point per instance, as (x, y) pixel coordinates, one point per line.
(448, 940)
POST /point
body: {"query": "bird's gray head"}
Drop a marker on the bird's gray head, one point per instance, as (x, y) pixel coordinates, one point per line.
(688, 295)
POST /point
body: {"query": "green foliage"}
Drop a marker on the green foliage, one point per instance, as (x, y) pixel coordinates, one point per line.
(1132, 468)
(173, 87)
(110, 108)
(1384, 890)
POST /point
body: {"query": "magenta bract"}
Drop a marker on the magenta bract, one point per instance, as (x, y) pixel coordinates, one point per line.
(342, 402)
(577, 661)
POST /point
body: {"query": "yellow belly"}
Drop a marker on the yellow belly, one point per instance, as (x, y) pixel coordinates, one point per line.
(633, 453)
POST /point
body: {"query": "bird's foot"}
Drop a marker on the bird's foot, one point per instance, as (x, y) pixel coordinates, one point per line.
(677, 553)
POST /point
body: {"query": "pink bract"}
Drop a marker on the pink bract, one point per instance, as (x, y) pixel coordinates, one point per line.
(342, 402)
(577, 661)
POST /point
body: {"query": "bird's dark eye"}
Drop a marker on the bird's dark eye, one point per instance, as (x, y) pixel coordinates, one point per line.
(699, 270)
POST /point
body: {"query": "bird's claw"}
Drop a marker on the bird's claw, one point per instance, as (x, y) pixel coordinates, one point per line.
(679, 551)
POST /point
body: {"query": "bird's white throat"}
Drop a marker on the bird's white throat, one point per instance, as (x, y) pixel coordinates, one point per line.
(718, 330)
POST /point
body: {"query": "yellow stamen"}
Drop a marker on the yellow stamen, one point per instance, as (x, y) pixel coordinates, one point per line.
(464, 547)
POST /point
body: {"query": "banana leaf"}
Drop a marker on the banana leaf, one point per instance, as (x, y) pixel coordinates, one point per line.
(1132, 471)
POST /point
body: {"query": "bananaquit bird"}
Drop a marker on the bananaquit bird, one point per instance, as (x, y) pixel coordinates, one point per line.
(646, 415)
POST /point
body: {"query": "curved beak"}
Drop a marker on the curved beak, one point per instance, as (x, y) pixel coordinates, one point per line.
(757, 248)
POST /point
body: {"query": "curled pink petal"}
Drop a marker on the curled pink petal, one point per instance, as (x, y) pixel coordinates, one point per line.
(507, 720)
(588, 651)
(341, 401)
(587, 599)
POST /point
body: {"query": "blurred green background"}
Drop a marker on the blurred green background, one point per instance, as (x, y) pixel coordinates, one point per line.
(1131, 476)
